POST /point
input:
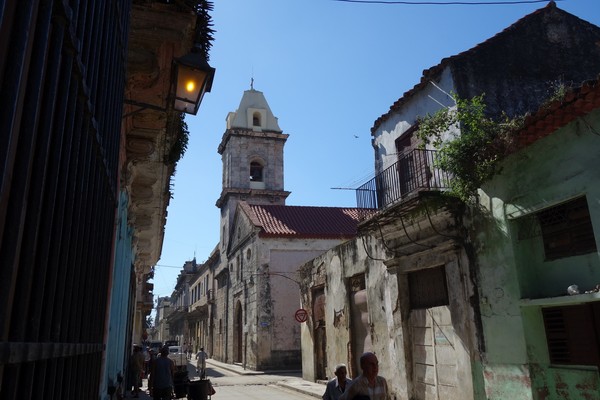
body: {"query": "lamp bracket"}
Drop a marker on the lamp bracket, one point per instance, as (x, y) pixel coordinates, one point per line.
(143, 106)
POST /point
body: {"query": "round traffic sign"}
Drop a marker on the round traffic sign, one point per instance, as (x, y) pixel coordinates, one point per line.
(301, 315)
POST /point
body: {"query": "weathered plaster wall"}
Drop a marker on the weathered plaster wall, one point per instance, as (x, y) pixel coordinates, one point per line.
(333, 269)
(557, 168)
(271, 334)
(427, 102)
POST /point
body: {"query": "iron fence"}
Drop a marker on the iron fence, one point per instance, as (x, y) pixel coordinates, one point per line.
(61, 87)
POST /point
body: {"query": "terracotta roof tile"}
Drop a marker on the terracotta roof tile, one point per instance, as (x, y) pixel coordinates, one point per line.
(576, 103)
(303, 221)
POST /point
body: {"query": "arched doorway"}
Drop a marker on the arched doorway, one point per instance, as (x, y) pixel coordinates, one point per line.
(238, 333)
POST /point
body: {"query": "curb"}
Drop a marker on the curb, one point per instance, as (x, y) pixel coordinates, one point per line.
(299, 390)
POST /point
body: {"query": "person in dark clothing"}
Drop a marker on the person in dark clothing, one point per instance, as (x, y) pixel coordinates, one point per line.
(161, 376)
(136, 368)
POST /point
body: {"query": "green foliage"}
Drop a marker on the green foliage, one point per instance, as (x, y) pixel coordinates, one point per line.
(180, 146)
(204, 31)
(473, 155)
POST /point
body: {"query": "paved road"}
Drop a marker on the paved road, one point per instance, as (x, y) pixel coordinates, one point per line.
(230, 385)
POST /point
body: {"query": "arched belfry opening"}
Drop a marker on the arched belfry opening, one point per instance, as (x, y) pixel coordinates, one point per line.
(256, 171)
(257, 178)
(256, 119)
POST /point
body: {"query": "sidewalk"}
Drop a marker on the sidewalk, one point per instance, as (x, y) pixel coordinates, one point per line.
(290, 379)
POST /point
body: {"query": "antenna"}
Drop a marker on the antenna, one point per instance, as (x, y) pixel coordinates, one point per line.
(442, 90)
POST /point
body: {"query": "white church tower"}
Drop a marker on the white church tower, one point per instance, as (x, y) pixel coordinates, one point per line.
(252, 153)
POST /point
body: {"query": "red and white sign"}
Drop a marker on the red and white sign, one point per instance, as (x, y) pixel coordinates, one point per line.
(301, 315)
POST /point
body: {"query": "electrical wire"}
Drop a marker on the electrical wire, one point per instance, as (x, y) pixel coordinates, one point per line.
(445, 3)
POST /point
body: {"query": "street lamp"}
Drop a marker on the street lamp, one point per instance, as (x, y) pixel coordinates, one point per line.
(193, 77)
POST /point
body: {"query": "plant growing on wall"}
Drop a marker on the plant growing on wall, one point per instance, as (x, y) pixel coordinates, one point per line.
(181, 141)
(472, 154)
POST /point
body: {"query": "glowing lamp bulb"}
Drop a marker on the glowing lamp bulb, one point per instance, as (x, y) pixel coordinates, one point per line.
(190, 86)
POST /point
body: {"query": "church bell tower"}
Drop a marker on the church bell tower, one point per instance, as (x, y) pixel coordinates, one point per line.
(252, 154)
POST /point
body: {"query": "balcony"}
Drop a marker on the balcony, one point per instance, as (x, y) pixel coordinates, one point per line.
(147, 302)
(413, 174)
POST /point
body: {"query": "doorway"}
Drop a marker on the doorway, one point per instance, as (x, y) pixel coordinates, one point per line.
(320, 334)
(238, 334)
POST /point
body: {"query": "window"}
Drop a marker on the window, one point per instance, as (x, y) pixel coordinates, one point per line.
(256, 171)
(427, 288)
(572, 333)
(567, 230)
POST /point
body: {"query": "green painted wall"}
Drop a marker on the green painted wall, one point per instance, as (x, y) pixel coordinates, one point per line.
(555, 169)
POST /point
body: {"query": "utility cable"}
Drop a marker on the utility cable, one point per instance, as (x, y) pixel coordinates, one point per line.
(445, 3)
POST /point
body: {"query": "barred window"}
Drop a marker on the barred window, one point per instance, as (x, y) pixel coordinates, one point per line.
(428, 288)
(567, 230)
(572, 334)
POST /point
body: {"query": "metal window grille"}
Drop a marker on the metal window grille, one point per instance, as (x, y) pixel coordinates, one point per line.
(567, 230)
(572, 334)
(428, 288)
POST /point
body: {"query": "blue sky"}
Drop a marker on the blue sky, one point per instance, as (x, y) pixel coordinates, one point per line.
(328, 70)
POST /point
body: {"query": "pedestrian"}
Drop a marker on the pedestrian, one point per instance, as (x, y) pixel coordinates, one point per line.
(150, 362)
(337, 386)
(136, 369)
(201, 357)
(368, 385)
(161, 376)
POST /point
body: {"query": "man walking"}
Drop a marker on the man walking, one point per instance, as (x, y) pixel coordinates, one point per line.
(201, 357)
(337, 386)
(368, 384)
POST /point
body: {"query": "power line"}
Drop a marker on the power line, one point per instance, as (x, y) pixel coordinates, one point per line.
(446, 3)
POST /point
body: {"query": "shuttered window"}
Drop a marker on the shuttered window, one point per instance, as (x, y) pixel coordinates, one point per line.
(567, 230)
(427, 288)
(572, 334)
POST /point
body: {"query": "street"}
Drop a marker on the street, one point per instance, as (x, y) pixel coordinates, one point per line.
(230, 384)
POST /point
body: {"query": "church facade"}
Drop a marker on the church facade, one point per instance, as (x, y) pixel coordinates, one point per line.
(263, 241)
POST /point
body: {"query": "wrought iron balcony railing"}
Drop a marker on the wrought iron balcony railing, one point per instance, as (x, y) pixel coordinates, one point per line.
(414, 172)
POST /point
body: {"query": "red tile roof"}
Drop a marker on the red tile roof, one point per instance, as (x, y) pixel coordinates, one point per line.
(576, 103)
(303, 221)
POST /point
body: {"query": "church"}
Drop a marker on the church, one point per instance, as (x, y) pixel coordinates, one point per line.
(263, 241)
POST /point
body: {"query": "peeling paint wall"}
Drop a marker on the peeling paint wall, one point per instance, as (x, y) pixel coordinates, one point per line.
(332, 271)
(424, 353)
(433, 97)
(516, 281)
